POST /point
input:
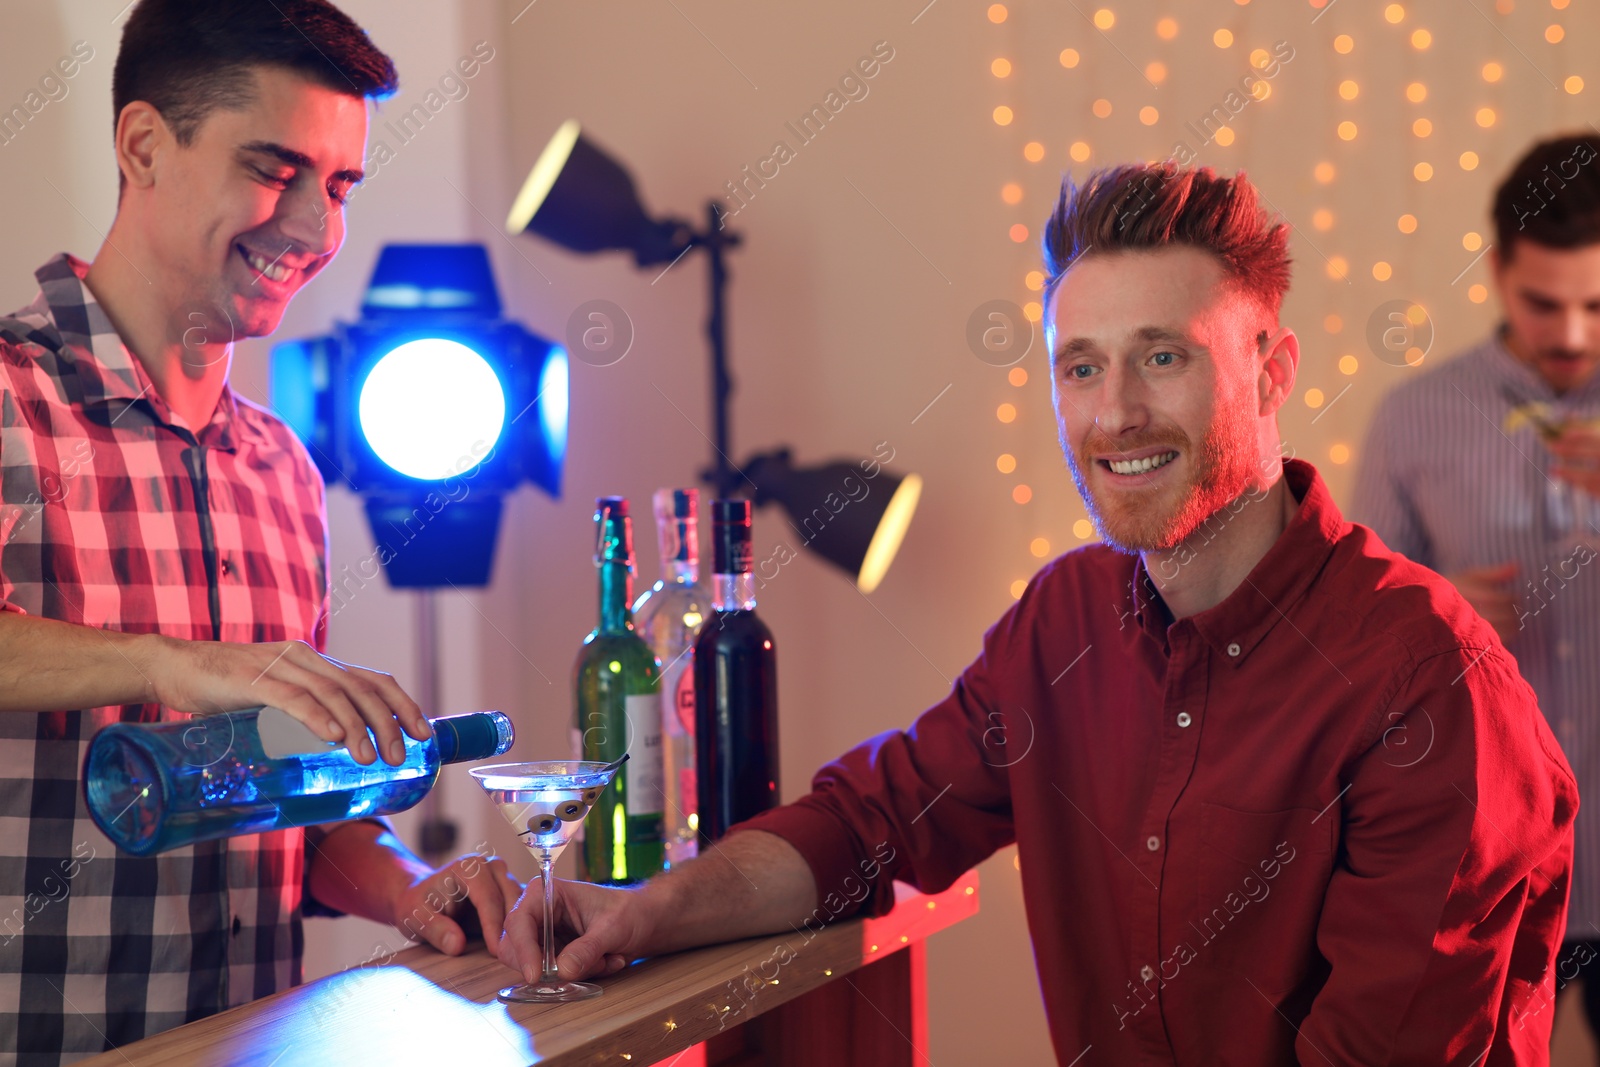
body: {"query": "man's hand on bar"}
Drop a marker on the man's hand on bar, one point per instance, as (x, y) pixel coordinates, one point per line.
(747, 884)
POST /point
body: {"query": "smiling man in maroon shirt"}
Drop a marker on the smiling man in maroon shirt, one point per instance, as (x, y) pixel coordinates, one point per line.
(1279, 794)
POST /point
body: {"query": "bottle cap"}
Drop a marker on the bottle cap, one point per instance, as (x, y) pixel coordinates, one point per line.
(613, 531)
(730, 537)
(475, 735)
(676, 524)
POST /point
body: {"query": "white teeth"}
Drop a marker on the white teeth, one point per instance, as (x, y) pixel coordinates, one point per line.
(273, 271)
(1140, 466)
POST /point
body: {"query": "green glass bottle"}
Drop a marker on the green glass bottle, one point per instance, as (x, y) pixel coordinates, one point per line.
(617, 681)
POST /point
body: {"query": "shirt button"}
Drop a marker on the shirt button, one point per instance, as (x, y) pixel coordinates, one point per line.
(1147, 972)
(1152, 842)
(1233, 649)
(1183, 718)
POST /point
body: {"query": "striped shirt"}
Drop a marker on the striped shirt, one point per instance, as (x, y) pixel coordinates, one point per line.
(114, 514)
(1449, 480)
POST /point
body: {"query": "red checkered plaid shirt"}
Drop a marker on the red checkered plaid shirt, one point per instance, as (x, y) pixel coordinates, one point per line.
(113, 513)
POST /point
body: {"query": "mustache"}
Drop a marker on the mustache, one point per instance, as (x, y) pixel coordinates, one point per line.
(1099, 445)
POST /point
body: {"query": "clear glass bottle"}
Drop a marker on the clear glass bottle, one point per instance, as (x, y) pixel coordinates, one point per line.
(618, 696)
(151, 787)
(667, 616)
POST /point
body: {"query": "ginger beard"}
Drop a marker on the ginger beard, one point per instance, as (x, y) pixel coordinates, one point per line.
(1157, 511)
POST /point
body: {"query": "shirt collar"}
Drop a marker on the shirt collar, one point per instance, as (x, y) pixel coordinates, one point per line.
(1276, 583)
(104, 371)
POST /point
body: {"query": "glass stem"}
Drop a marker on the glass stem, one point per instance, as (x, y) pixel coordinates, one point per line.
(549, 918)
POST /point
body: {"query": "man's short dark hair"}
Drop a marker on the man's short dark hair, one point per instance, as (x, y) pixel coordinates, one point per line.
(1551, 197)
(1144, 207)
(188, 58)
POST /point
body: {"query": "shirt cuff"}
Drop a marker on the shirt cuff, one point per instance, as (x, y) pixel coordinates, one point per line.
(849, 880)
(310, 906)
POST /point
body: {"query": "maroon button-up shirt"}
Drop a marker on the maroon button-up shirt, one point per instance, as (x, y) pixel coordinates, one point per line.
(1322, 822)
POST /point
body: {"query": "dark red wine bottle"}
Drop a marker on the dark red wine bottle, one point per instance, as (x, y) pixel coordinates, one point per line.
(735, 686)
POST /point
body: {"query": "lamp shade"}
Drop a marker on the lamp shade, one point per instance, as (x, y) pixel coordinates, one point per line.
(852, 514)
(583, 200)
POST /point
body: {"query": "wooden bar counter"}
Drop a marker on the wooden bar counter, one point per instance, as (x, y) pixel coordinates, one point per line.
(852, 994)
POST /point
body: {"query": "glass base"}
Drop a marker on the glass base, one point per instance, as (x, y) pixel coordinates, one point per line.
(549, 992)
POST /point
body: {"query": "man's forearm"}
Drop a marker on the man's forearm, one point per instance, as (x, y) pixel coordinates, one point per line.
(360, 869)
(749, 883)
(47, 665)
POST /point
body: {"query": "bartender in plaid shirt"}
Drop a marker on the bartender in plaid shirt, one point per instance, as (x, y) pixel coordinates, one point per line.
(163, 543)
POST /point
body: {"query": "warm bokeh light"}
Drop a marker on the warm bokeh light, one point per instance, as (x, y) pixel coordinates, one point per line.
(1471, 241)
(1000, 68)
(1101, 108)
(1167, 29)
(1477, 293)
(1382, 271)
(1011, 193)
(997, 13)
(1105, 18)
(1339, 453)
(1006, 413)
(1039, 547)
(1260, 58)
(1003, 115)
(1343, 44)
(1018, 232)
(1017, 377)
(1573, 84)
(1034, 280)
(1224, 136)
(1484, 117)
(1324, 172)
(1493, 72)
(1338, 269)
(1261, 90)
(1079, 151)
(1018, 587)
(1022, 494)
(1222, 38)
(1421, 39)
(1155, 71)
(1314, 398)
(1348, 364)
(1422, 171)
(1006, 463)
(1553, 33)
(1322, 219)
(1416, 314)
(1149, 115)
(1083, 529)
(1332, 323)
(1349, 89)
(1416, 92)
(1422, 127)
(1069, 57)
(1394, 13)
(1347, 130)
(1407, 223)
(1469, 161)
(1033, 151)
(1033, 311)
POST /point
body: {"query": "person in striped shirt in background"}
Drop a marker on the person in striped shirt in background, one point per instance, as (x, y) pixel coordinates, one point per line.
(1486, 469)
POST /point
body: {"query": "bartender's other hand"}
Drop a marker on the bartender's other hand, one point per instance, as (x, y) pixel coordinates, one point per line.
(1577, 454)
(338, 701)
(1487, 589)
(443, 907)
(598, 930)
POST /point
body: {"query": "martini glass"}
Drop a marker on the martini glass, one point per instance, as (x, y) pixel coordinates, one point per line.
(546, 803)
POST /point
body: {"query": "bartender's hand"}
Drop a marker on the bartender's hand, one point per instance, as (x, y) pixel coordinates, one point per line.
(1577, 453)
(598, 930)
(445, 906)
(336, 700)
(1487, 589)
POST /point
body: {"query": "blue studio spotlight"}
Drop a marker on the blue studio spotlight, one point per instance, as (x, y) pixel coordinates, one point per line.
(431, 407)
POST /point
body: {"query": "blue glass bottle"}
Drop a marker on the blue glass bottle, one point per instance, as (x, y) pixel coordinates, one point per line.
(151, 787)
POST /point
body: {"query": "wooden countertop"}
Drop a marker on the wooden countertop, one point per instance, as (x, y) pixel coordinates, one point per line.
(424, 1007)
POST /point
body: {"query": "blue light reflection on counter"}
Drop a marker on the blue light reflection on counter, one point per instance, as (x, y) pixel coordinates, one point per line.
(368, 1013)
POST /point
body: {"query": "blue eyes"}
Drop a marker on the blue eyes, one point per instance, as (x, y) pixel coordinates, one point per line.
(1083, 371)
(1164, 359)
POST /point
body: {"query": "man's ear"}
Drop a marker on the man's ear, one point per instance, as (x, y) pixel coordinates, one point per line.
(141, 136)
(1279, 353)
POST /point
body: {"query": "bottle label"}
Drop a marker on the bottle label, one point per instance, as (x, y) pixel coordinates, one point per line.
(645, 786)
(284, 735)
(683, 699)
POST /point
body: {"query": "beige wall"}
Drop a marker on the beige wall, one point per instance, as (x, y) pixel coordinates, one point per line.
(865, 257)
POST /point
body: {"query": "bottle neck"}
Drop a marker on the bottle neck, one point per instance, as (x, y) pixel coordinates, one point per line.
(616, 588)
(683, 572)
(733, 592)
